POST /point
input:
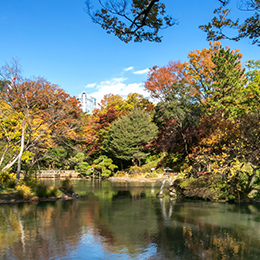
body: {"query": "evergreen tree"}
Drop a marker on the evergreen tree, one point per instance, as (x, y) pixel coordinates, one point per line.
(227, 81)
(128, 136)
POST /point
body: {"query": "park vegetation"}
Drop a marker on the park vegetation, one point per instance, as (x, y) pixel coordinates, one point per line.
(203, 122)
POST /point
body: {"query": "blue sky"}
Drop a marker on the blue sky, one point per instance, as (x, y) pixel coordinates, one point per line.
(57, 40)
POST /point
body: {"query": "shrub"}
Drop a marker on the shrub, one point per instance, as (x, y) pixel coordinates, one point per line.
(67, 186)
(30, 179)
(7, 180)
(135, 170)
(53, 191)
(6, 176)
(42, 190)
(24, 191)
(151, 175)
(11, 183)
(121, 174)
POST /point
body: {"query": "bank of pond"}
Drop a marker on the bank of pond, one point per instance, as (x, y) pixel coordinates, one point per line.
(207, 187)
(125, 220)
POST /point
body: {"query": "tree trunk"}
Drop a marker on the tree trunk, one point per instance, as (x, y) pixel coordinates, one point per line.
(3, 155)
(11, 163)
(19, 163)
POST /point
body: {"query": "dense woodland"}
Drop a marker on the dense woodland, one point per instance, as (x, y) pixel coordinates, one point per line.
(200, 117)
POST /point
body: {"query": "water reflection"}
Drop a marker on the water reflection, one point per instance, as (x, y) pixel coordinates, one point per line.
(127, 221)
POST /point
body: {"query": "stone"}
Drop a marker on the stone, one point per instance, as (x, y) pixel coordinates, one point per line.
(34, 198)
(159, 195)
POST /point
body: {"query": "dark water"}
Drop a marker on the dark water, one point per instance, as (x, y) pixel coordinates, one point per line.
(127, 221)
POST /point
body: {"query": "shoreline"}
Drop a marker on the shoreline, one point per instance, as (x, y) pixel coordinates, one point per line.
(37, 199)
(130, 179)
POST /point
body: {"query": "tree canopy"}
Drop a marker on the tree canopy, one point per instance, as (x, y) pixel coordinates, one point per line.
(249, 28)
(129, 134)
(143, 20)
(138, 20)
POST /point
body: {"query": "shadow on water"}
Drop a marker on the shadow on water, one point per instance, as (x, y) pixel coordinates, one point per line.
(124, 194)
(127, 221)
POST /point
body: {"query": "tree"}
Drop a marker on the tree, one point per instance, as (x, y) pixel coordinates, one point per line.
(139, 21)
(103, 166)
(143, 20)
(136, 100)
(200, 70)
(45, 112)
(98, 129)
(111, 107)
(250, 28)
(161, 81)
(227, 82)
(128, 135)
(177, 119)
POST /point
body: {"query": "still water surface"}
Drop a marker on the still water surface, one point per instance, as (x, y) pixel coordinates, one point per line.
(127, 221)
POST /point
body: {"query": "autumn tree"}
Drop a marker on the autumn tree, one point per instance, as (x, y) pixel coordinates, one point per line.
(45, 112)
(177, 119)
(135, 100)
(229, 136)
(9, 131)
(110, 108)
(97, 131)
(161, 80)
(200, 70)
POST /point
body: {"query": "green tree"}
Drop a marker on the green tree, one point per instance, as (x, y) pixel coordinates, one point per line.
(227, 84)
(128, 135)
(103, 166)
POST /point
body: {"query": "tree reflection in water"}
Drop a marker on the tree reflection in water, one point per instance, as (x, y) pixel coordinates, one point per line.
(114, 221)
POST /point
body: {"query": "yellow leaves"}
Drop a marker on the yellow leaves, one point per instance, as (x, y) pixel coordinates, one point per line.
(200, 63)
(27, 156)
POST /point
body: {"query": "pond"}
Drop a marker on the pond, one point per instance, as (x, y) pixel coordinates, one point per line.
(127, 221)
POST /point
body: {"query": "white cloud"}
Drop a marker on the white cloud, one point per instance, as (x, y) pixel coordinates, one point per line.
(140, 72)
(134, 88)
(91, 85)
(117, 86)
(129, 68)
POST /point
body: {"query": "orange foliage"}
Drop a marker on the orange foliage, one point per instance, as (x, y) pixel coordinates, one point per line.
(161, 80)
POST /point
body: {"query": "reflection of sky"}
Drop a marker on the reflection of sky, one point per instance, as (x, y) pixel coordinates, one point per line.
(91, 248)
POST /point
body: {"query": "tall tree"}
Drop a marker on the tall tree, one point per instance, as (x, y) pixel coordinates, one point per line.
(200, 70)
(111, 107)
(177, 119)
(227, 79)
(160, 81)
(45, 112)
